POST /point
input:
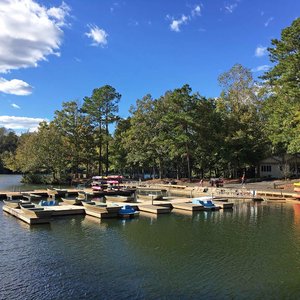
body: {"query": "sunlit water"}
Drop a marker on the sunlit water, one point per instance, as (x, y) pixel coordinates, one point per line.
(251, 252)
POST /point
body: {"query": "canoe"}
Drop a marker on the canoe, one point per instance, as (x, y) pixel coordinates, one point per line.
(297, 184)
(117, 198)
(15, 203)
(297, 189)
(36, 212)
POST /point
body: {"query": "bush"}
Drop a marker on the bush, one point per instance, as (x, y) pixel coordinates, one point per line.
(35, 179)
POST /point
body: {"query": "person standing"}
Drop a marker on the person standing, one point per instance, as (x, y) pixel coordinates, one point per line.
(243, 178)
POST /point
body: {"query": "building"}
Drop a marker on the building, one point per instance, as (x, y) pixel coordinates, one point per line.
(279, 167)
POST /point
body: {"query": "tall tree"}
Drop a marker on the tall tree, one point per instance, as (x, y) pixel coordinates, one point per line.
(181, 118)
(102, 107)
(239, 108)
(76, 129)
(282, 90)
(119, 154)
(137, 140)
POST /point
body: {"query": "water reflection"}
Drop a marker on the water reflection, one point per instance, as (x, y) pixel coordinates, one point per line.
(248, 252)
(296, 208)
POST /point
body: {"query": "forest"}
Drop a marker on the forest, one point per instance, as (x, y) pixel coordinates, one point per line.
(181, 134)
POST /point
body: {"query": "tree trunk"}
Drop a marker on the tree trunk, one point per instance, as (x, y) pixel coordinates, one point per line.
(160, 169)
(100, 172)
(107, 154)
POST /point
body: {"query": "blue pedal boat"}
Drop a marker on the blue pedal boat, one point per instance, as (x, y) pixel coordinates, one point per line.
(127, 211)
(206, 202)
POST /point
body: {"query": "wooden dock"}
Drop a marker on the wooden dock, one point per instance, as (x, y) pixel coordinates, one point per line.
(19, 214)
(101, 215)
(154, 209)
(188, 206)
(223, 205)
(66, 210)
(58, 210)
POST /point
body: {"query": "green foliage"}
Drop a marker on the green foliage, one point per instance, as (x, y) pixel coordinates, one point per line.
(8, 145)
(101, 108)
(239, 107)
(78, 135)
(179, 134)
(282, 91)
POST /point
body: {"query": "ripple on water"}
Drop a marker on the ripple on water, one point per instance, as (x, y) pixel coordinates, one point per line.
(249, 252)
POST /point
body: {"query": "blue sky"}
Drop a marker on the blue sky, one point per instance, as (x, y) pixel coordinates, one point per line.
(53, 51)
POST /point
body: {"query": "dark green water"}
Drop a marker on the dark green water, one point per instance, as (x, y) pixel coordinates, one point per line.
(252, 252)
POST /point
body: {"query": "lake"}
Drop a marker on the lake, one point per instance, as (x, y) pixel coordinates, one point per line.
(250, 252)
(13, 183)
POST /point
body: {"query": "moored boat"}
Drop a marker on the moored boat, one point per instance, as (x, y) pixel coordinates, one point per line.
(128, 211)
(206, 202)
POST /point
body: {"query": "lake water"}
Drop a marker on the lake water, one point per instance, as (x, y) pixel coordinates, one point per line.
(13, 183)
(10, 182)
(251, 252)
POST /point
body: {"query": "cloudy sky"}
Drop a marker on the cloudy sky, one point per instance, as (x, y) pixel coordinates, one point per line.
(53, 51)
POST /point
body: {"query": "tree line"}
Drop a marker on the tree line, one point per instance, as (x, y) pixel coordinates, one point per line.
(180, 134)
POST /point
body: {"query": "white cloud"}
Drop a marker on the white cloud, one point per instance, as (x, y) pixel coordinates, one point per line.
(29, 32)
(23, 123)
(98, 35)
(14, 105)
(230, 7)
(175, 24)
(260, 51)
(196, 11)
(15, 87)
(59, 13)
(268, 21)
(262, 68)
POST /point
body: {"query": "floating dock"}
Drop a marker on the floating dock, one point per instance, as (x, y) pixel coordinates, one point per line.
(101, 215)
(58, 210)
(19, 214)
(66, 210)
(188, 206)
(223, 205)
(154, 209)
